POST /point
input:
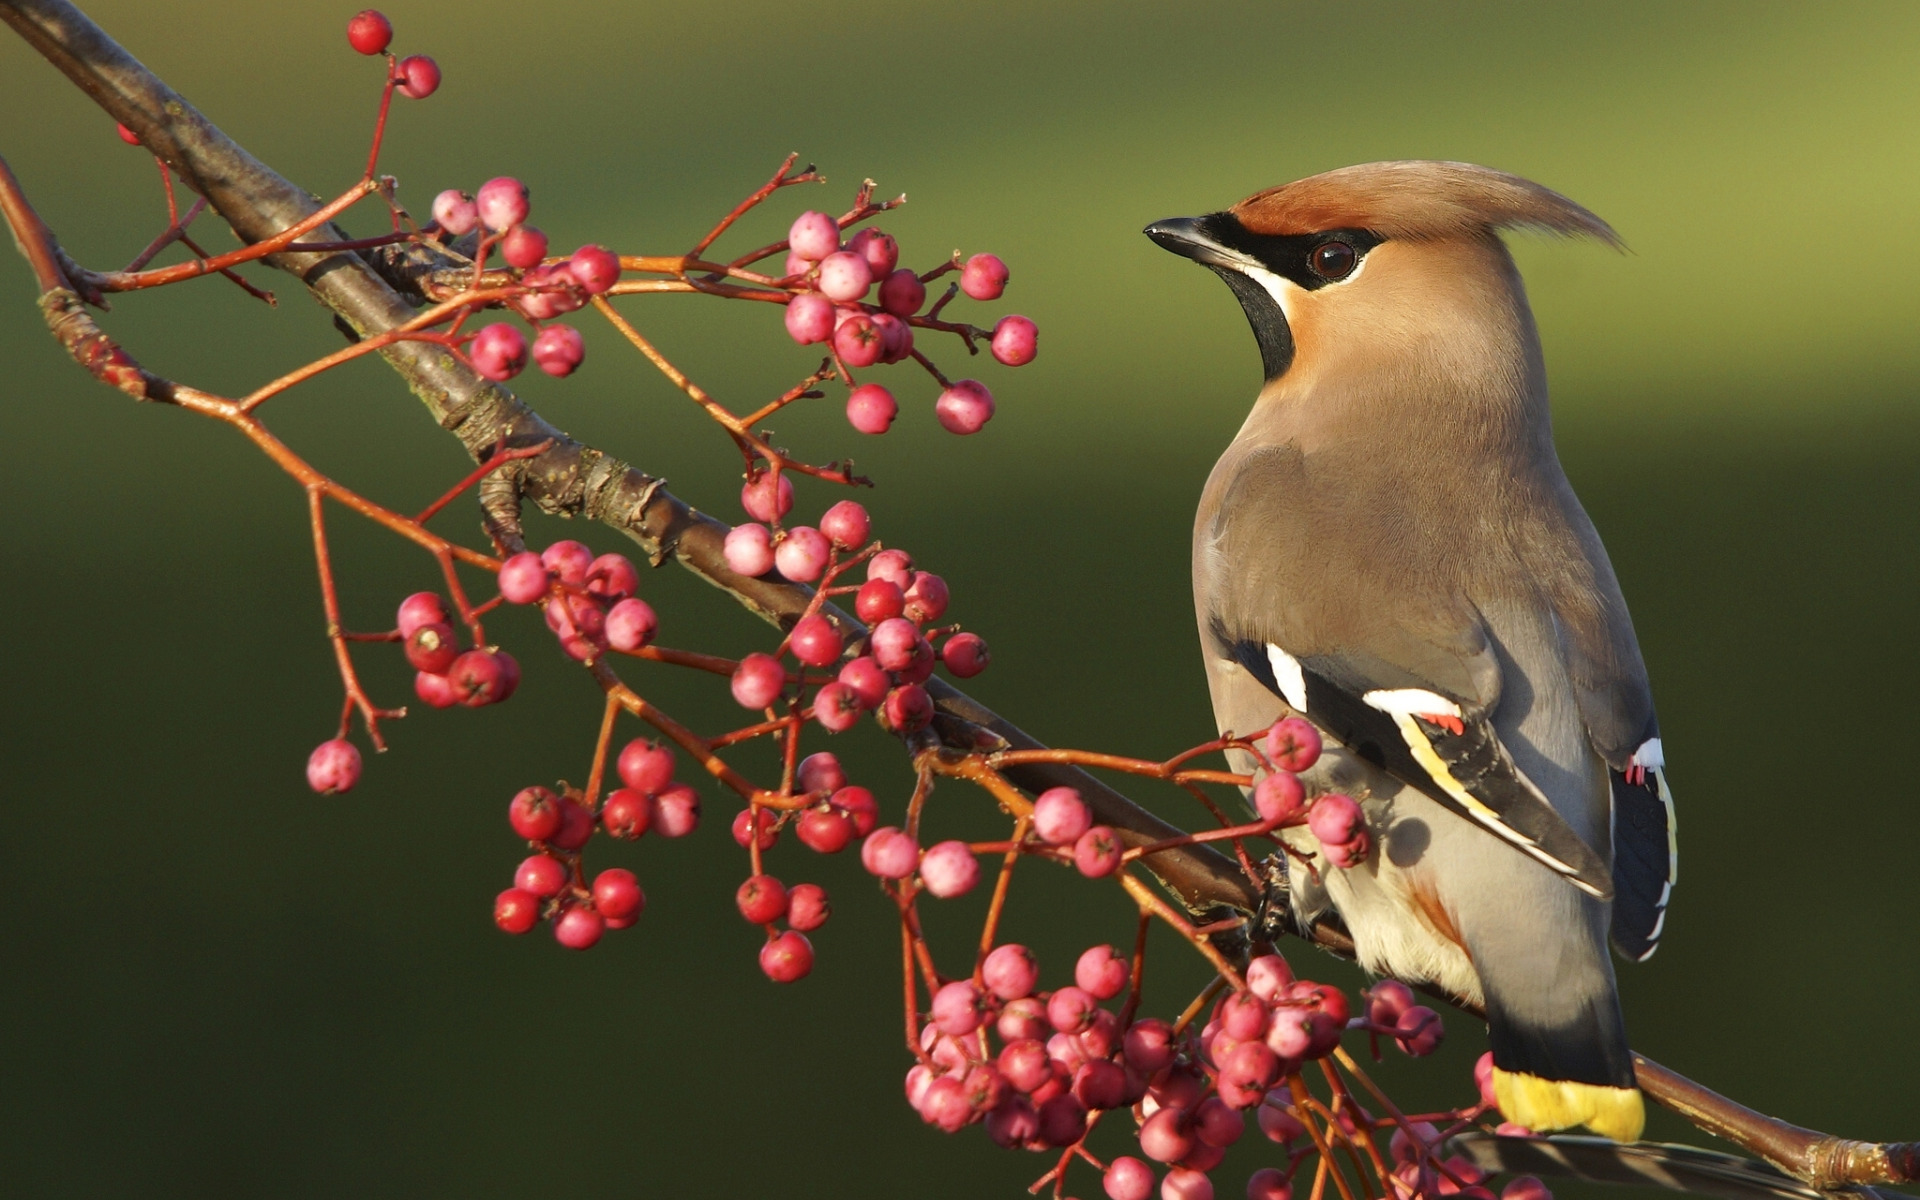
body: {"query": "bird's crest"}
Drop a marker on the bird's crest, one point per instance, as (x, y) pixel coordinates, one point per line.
(1418, 199)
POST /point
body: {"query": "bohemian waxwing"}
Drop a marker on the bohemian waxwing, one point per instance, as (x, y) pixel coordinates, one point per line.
(1390, 549)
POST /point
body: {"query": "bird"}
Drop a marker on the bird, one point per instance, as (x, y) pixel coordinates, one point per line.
(1390, 549)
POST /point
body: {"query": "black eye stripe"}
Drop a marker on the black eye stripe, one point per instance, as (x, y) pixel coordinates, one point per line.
(1289, 255)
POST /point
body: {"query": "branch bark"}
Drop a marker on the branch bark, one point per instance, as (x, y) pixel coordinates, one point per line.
(573, 479)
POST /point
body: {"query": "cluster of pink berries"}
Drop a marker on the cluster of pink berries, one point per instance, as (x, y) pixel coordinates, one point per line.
(549, 884)
(499, 209)
(831, 307)
(898, 602)
(1292, 745)
(590, 602)
(416, 76)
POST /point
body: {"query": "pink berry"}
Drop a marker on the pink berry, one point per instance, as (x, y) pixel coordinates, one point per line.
(1335, 818)
(758, 681)
(434, 690)
(369, 31)
(631, 624)
(516, 910)
(858, 342)
(871, 408)
(1420, 1031)
(749, 550)
(859, 806)
(1350, 853)
(926, 597)
(1166, 1137)
(579, 927)
(958, 1009)
(612, 577)
(1246, 1072)
(541, 875)
(820, 772)
(810, 318)
(421, 608)
(1525, 1187)
(1102, 972)
(767, 497)
(432, 648)
(523, 578)
(534, 813)
(1099, 1084)
(552, 290)
(333, 767)
(1128, 1178)
(824, 831)
(867, 680)
(1186, 1183)
(814, 235)
(1293, 744)
(964, 408)
(1483, 1079)
(836, 707)
(498, 351)
(880, 250)
(1386, 1000)
(846, 525)
(878, 600)
(844, 277)
(1278, 1123)
(1010, 972)
(646, 767)
(898, 646)
(1267, 976)
(576, 825)
(503, 203)
(1013, 1123)
(802, 554)
(907, 709)
(1060, 816)
(1216, 1124)
(454, 212)
(896, 336)
(569, 561)
(595, 267)
(1097, 853)
(949, 869)
(1024, 1064)
(478, 679)
(984, 277)
(558, 350)
(761, 899)
(894, 566)
(787, 958)
(889, 853)
(965, 655)
(797, 266)
(627, 814)
(1023, 1018)
(751, 823)
(902, 293)
(1411, 1149)
(617, 894)
(807, 906)
(1269, 1183)
(524, 247)
(1148, 1045)
(1279, 797)
(676, 810)
(419, 76)
(1070, 1009)
(1015, 340)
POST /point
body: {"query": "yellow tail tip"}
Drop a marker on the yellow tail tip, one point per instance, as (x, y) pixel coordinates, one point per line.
(1548, 1104)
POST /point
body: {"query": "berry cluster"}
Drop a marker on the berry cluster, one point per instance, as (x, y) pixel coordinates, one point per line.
(416, 76)
(589, 601)
(830, 306)
(444, 675)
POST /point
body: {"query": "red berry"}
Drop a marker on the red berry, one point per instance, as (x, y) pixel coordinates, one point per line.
(1335, 818)
(821, 772)
(867, 680)
(894, 566)
(1022, 1018)
(926, 598)
(534, 813)
(758, 681)
(815, 641)
(907, 709)
(369, 31)
(807, 906)
(1186, 1183)
(889, 853)
(836, 707)
(541, 875)
(1060, 816)
(767, 497)
(749, 823)
(824, 830)
(1525, 1187)
(126, 135)
(432, 648)
(477, 678)
(579, 927)
(1293, 744)
(761, 899)
(631, 624)
(1165, 1136)
(1015, 341)
(880, 250)
(957, 1009)
(419, 76)
(523, 247)
(1420, 1031)
(949, 869)
(595, 268)
(871, 408)
(965, 654)
(749, 550)
(1062, 1121)
(858, 342)
(897, 646)
(1278, 1123)
(984, 277)
(814, 235)
(1010, 972)
(878, 600)
(1386, 1000)
(902, 293)
(810, 318)
(846, 525)
(333, 767)
(454, 212)
(896, 336)
(1097, 853)
(523, 578)
(559, 350)
(1279, 796)
(1102, 973)
(569, 561)
(1268, 976)
(1483, 1079)
(1269, 1183)
(1128, 1179)
(617, 894)
(421, 608)
(965, 407)
(503, 203)
(498, 351)
(1148, 1045)
(434, 690)
(612, 577)
(676, 810)
(645, 766)
(858, 804)
(802, 554)
(627, 814)
(576, 825)
(844, 277)
(552, 290)
(787, 958)
(516, 910)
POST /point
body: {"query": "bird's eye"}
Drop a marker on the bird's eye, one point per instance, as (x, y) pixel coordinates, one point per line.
(1332, 260)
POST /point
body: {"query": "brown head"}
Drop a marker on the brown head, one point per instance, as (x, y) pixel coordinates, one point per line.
(1390, 266)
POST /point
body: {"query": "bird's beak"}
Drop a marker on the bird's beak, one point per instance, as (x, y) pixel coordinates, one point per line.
(1187, 237)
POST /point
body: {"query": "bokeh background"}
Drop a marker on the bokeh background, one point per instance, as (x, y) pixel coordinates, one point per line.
(218, 984)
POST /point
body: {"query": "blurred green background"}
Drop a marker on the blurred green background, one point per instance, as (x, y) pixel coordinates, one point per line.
(218, 984)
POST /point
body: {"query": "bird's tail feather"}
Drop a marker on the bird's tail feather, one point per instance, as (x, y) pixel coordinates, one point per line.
(1642, 1164)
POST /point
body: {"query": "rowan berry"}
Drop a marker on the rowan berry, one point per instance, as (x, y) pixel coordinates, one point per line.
(333, 767)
